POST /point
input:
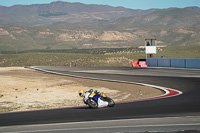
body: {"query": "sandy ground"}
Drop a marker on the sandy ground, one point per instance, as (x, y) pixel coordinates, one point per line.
(24, 89)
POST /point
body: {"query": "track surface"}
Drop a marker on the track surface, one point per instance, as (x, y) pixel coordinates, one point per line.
(187, 104)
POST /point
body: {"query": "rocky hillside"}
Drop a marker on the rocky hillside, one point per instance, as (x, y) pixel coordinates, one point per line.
(43, 14)
(62, 25)
(28, 38)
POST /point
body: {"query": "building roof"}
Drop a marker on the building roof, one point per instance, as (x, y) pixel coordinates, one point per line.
(150, 39)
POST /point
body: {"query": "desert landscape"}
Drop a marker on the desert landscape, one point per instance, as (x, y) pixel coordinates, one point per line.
(23, 89)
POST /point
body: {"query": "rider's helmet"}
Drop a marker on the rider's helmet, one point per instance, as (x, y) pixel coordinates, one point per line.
(81, 93)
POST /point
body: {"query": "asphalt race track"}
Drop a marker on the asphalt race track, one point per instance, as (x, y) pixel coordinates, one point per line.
(186, 105)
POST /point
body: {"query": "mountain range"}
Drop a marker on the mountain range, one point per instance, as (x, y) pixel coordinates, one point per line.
(64, 25)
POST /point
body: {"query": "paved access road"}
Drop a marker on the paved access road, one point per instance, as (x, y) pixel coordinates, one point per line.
(186, 104)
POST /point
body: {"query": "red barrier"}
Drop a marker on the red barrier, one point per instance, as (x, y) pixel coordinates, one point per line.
(134, 64)
(142, 64)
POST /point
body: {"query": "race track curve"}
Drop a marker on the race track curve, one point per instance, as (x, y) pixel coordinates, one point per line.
(184, 80)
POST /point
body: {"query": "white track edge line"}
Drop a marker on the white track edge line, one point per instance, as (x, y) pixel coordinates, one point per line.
(100, 121)
(137, 83)
(110, 127)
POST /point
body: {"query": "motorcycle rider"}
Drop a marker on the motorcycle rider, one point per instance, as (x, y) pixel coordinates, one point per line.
(86, 94)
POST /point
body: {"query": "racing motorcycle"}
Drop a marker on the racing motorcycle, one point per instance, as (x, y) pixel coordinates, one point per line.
(98, 101)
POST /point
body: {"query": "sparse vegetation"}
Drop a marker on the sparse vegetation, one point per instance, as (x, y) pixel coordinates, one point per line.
(63, 59)
(180, 52)
(93, 57)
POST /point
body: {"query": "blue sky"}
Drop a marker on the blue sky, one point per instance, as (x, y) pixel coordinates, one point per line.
(134, 4)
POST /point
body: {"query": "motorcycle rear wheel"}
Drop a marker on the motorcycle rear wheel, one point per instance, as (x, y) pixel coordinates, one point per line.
(111, 103)
(92, 103)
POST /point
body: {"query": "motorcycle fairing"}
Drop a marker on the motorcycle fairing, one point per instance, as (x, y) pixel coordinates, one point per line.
(101, 103)
(96, 97)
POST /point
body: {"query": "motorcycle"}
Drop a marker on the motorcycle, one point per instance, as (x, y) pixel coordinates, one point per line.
(98, 101)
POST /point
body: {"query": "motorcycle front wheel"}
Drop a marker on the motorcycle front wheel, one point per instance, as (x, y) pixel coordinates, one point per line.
(92, 103)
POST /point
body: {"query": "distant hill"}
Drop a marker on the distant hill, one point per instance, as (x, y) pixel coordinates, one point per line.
(43, 14)
(194, 9)
(168, 18)
(63, 25)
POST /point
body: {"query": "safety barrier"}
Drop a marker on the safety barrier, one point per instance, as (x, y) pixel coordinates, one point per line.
(134, 64)
(138, 63)
(142, 64)
(173, 62)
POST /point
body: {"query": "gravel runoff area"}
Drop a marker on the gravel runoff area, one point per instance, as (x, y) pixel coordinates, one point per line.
(24, 89)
